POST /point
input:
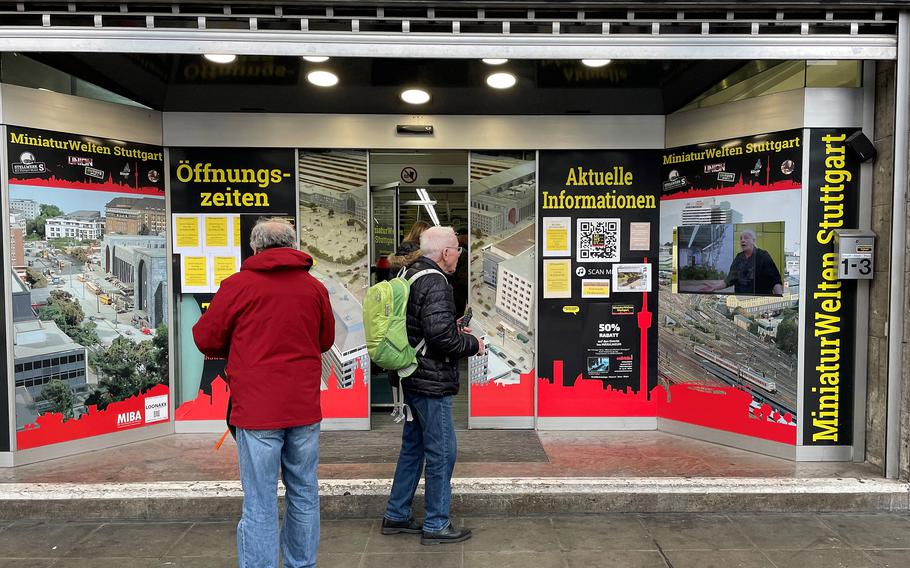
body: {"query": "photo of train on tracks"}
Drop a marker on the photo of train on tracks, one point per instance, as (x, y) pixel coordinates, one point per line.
(726, 338)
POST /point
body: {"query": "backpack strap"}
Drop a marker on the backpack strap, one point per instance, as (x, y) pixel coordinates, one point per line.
(423, 272)
(400, 410)
(421, 347)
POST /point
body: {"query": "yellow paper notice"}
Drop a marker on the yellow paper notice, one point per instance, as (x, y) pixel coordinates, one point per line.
(224, 266)
(558, 238)
(595, 288)
(195, 271)
(187, 229)
(237, 231)
(216, 232)
(556, 279)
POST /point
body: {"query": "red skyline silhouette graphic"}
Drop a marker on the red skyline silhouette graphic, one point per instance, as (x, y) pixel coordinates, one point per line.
(50, 428)
(739, 188)
(335, 402)
(516, 399)
(205, 406)
(346, 403)
(719, 407)
(108, 185)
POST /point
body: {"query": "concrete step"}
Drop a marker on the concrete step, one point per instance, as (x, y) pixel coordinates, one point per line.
(365, 498)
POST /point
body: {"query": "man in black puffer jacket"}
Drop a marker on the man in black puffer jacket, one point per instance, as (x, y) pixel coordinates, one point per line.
(428, 391)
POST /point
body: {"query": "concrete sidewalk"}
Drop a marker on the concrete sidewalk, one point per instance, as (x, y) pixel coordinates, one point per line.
(560, 541)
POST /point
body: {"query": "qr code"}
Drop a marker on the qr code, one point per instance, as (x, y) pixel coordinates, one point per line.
(598, 240)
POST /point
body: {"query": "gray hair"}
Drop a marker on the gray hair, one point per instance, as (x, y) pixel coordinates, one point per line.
(748, 232)
(435, 239)
(273, 233)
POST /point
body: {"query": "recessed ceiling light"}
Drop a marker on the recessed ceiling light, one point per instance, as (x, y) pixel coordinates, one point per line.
(596, 62)
(494, 61)
(501, 80)
(220, 57)
(415, 96)
(322, 78)
(315, 58)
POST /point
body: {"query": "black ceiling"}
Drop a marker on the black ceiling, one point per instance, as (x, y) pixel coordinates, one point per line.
(372, 86)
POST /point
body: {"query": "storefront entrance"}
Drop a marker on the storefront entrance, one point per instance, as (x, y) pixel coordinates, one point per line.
(639, 253)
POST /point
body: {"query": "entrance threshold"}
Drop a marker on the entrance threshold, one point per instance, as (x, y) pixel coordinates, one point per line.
(182, 476)
(481, 454)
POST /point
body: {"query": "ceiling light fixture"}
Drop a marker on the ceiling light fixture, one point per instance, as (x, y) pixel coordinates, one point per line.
(220, 57)
(415, 96)
(322, 78)
(501, 80)
(315, 58)
(495, 61)
(596, 62)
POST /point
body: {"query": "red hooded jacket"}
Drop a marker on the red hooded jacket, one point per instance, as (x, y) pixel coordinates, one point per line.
(272, 321)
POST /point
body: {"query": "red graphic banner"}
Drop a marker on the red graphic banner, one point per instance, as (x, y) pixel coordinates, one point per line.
(741, 188)
(207, 407)
(108, 185)
(335, 402)
(51, 428)
(724, 408)
(346, 403)
(516, 399)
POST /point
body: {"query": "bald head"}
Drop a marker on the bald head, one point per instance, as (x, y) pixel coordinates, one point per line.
(273, 233)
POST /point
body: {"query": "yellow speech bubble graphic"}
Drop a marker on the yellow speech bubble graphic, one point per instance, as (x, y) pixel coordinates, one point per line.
(571, 309)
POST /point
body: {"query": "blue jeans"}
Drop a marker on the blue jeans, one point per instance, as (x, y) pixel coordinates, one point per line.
(260, 452)
(429, 438)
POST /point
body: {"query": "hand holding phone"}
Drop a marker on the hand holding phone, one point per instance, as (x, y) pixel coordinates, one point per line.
(465, 320)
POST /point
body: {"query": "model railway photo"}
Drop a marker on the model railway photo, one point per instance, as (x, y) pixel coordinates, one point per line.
(741, 371)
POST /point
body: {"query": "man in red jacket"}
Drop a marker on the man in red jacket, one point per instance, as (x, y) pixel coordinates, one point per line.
(272, 321)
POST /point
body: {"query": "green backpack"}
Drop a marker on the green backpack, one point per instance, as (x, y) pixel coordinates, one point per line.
(385, 324)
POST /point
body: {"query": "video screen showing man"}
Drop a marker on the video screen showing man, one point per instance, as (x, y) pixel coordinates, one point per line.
(706, 261)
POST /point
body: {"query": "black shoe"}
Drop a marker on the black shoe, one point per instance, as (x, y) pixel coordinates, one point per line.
(447, 535)
(397, 527)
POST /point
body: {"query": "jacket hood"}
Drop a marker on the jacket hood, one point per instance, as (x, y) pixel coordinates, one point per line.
(278, 259)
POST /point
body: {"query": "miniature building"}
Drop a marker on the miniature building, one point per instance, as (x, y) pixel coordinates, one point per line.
(81, 225)
(135, 216)
(350, 349)
(336, 180)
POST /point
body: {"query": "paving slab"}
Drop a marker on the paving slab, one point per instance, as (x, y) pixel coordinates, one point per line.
(43, 539)
(718, 559)
(840, 558)
(502, 541)
(602, 532)
(132, 540)
(695, 532)
(615, 559)
(871, 531)
(797, 532)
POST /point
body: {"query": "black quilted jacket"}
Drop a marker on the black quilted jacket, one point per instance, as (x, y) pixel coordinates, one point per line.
(431, 316)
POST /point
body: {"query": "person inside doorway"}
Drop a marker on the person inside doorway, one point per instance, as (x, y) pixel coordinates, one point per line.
(459, 280)
(409, 249)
